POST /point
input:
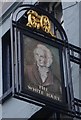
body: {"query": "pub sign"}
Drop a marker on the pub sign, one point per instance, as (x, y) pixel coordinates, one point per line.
(38, 72)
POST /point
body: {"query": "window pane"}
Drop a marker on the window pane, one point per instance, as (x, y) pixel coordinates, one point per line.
(6, 61)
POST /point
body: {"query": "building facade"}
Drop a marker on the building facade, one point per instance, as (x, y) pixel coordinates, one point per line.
(68, 15)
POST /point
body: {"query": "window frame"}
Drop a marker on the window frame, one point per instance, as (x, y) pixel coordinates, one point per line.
(6, 67)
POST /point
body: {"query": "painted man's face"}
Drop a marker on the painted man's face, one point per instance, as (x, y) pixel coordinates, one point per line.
(40, 57)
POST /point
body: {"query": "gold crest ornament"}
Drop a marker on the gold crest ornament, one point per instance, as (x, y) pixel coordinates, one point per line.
(39, 22)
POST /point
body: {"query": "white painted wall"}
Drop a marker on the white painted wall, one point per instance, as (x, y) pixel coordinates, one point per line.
(72, 27)
(71, 21)
(0, 111)
(14, 108)
(80, 46)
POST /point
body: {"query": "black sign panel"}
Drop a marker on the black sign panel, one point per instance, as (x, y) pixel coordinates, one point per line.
(42, 69)
(38, 58)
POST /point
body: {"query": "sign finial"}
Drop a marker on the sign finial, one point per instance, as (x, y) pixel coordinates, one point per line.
(39, 22)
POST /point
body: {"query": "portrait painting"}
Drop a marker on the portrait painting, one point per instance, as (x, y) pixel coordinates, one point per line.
(42, 71)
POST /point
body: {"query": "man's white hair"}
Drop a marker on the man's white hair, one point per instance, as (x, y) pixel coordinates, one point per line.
(48, 53)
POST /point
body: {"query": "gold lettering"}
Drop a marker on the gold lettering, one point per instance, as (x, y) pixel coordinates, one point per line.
(45, 24)
(29, 87)
(39, 22)
(35, 90)
(53, 96)
(42, 88)
(41, 91)
(48, 95)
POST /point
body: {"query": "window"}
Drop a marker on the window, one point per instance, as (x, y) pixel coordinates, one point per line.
(6, 62)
